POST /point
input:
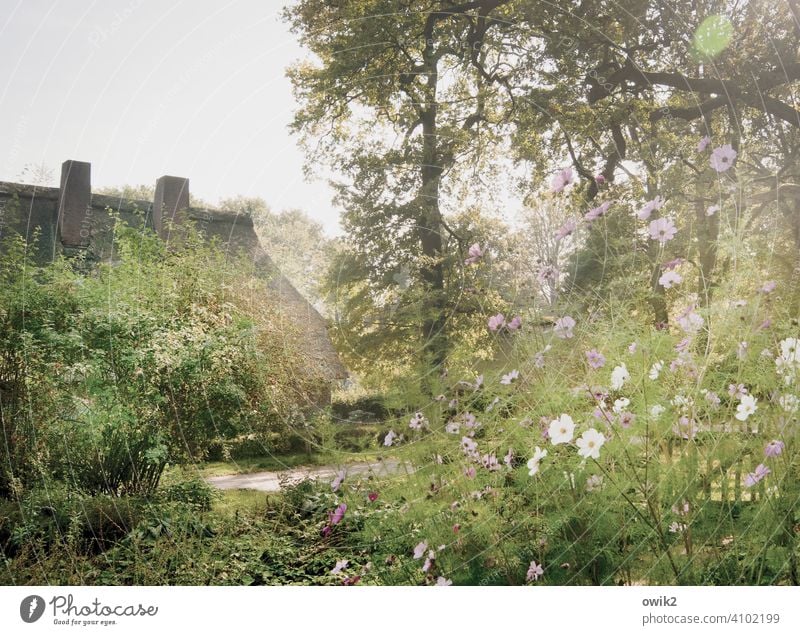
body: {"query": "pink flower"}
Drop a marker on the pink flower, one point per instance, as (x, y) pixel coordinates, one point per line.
(595, 359)
(563, 327)
(561, 180)
(722, 158)
(420, 550)
(497, 322)
(338, 514)
(768, 287)
(600, 179)
(632, 348)
(703, 143)
(662, 230)
(442, 581)
(337, 482)
(649, 207)
(737, 391)
(475, 253)
(372, 496)
(566, 229)
(597, 212)
(515, 323)
(510, 377)
(340, 566)
(773, 449)
(685, 428)
(671, 264)
(535, 571)
(760, 473)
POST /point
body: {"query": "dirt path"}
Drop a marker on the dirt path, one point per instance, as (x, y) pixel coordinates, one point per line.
(271, 481)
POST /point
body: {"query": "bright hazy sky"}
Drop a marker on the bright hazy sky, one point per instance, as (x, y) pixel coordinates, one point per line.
(141, 88)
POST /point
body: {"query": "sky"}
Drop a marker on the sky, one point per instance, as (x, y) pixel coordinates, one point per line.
(143, 88)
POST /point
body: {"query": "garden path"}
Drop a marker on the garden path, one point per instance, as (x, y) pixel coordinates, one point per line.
(272, 481)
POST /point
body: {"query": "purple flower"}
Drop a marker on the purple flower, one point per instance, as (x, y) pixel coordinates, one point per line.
(515, 323)
(600, 179)
(773, 449)
(737, 390)
(768, 287)
(626, 419)
(683, 345)
(338, 514)
(761, 471)
(662, 230)
(703, 143)
(595, 359)
(722, 158)
(563, 327)
(649, 207)
(597, 212)
(497, 322)
(566, 229)
(671, 264)
(561, 180)
(475, 253)
(535, 571)
(685, 428)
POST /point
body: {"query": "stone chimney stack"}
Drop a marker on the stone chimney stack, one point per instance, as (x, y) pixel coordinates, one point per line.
(74, 221)
(171, 197)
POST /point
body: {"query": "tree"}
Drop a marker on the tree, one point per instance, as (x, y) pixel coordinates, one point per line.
(398, 102)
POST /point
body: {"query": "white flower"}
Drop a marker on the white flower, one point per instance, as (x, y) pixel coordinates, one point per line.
(590, 443)
(442, 581)
(563, 327)
(657, 410)
(789, 403)
(533, 462)
(669, 279)
(561, 429)
(655, 369)
(746, 407)
(389, 438)
(420, 550)
(507, 379)
(340, 565)
(620, 405)
(619, 376)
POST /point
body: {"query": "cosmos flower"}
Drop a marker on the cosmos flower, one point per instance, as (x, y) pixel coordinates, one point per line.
(561, 430)
(773, 449)
(566, 229)
(535, 571)
(722, 158)
(515, 323)
(337, 482)
(597, 212)
(712, 210)
(561, 180)
(590, 443)
(662, 230)
(759, 474)
(372, 496)
(340, 566)
(338, 514)
(563, 327)
(418, 421)
(703, 143)
(509, 377)
(657, 410)
(649, 207)
(669, 279)
(768, 287)
(497, 322)
(442, 581)
(685, 428)
(747, 406)
(389, 438)
(655, 369)
(619, 376)
(535, 460)
(595, 359)
(420, 550)
(475, 253)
